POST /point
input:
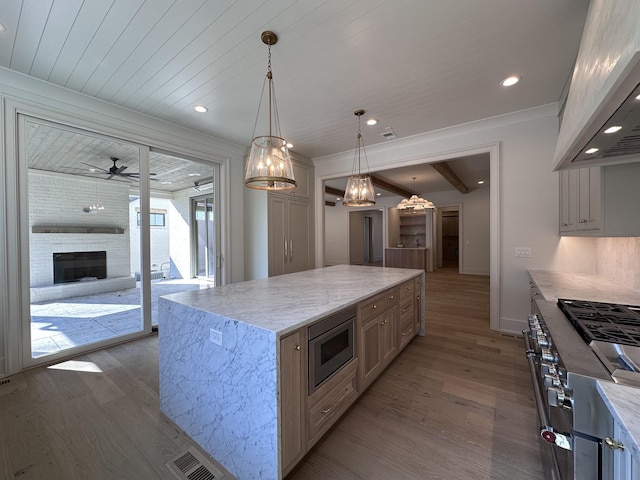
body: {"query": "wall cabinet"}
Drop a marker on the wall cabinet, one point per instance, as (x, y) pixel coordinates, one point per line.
(290, 235)
(293, 359)
(600, 201)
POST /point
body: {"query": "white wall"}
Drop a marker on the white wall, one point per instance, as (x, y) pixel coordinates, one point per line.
(525, 188)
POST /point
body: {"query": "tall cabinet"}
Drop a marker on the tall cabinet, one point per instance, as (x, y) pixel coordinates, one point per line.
(290, 228)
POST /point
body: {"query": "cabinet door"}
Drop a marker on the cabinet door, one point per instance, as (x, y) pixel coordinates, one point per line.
(388, 323)
(299, 236)
(589, 200)
(278, 238)
(292, 394)
(568, 200)
(370, 354)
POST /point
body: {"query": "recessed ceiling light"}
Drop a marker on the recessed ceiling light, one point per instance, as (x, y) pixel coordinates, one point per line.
(372, 121)
(2, 28)
(194, 175)
(200, 108)
(289, 145)
(480, 182)
(378, 194)
(591, 150)
(509, 81)
(614, 129)
(638, 97)
(92, 169)
(338, 198)
(166, 183)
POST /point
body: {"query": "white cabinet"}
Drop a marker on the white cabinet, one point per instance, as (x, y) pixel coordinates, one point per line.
(290, 235)
(626, 466)
(580, 200)
(600, 201)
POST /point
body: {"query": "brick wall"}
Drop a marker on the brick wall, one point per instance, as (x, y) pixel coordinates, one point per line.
(59, 200)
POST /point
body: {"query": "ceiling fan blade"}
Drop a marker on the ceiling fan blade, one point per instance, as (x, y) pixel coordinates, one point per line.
(120, 169)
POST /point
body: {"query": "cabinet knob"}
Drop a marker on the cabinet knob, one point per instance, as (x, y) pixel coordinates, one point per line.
(613, 444)
(565, 224)
(390, 297)
(373, 306)
(582, 220)
(298, 347)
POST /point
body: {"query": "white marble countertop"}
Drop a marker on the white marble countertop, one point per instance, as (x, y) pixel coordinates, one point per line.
(624, 404)
(580, 286)
(284, 303)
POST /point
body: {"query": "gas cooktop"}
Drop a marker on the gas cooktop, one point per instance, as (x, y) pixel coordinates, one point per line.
(606, 322)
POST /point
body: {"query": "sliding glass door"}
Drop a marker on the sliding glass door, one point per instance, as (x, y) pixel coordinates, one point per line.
(205, 238)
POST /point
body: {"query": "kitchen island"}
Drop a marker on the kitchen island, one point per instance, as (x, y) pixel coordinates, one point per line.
(226, 380)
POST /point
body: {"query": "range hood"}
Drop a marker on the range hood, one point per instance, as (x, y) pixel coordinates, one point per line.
(603, 90)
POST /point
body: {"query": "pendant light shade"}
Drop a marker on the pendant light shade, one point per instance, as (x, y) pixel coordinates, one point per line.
(269, 165)
(359, 191)
(414, 203)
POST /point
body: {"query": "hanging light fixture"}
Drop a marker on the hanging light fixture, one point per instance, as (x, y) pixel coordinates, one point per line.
(359, 191)
(269, 164)
(415, 203)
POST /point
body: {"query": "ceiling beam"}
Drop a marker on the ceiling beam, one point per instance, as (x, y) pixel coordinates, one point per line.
(333, 191)
(390, 187)
(445, 170)
(329, 204)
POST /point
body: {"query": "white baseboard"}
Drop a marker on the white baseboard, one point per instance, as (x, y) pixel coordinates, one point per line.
(512, 326)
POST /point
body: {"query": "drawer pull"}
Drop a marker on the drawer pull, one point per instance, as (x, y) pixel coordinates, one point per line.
(390, 297)
(373, 306)
(405, 309)
(298, 347)
(327, 410)
(384, 322)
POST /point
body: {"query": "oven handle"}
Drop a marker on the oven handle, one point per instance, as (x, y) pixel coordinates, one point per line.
(537, 392)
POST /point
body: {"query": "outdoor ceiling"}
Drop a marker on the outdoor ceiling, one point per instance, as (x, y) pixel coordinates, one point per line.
(415, 65)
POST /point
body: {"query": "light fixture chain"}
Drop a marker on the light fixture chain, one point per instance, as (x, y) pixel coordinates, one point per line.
(255, 125)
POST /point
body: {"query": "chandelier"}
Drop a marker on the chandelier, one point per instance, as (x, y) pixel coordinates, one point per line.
(359, 191)
(414, 203)
(269, 165)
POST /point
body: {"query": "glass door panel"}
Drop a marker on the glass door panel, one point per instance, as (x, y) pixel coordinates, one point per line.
(205, 237)
(83, 290)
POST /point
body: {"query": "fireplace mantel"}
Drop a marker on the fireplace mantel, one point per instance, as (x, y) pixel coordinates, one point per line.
(87, 229)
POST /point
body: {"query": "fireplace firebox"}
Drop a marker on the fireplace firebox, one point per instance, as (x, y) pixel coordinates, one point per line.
(79, 266)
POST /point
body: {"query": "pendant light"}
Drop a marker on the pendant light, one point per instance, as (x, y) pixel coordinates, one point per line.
(415, 203)
(269, 165)
(359, 191)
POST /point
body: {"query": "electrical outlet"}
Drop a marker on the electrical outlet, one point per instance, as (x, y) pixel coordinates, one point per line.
(215, 336)
(523, 252)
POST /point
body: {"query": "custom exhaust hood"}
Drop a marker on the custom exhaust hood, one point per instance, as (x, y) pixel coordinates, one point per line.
(603, 90)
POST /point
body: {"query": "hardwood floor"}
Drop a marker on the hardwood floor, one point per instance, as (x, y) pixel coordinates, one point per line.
(455, 404)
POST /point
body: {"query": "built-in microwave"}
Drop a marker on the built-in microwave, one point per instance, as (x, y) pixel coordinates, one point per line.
(331, 345)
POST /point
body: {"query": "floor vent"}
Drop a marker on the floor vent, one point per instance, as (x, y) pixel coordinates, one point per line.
(193, 466)
(6, 381)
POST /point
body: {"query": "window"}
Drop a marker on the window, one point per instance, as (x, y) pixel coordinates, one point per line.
(156, 219)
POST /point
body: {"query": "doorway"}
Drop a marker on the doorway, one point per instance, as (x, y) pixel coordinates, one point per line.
(205, 238)
(449, 235)
(366, 237)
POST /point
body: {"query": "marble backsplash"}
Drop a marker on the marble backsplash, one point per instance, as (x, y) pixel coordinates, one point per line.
(618, 258)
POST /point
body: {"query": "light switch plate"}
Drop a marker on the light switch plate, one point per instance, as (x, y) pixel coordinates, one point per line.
(523, 252)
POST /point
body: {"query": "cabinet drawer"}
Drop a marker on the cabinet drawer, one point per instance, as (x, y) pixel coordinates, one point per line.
(406, 333)
(331, 401)
(406, 311)
(373, 306)
(407, 290)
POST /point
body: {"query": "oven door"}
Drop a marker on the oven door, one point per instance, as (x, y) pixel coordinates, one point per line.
(329, 351)
(556, 442)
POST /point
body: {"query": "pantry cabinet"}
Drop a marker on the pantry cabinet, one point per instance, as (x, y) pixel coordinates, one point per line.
(600, 201)
(290, 235)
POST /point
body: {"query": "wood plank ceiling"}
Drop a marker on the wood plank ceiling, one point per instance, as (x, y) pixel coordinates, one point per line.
(416, 66)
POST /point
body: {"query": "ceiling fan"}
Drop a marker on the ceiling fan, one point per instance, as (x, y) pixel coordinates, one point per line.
(118, 171)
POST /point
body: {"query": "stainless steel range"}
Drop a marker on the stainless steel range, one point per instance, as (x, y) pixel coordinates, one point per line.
(570, 345)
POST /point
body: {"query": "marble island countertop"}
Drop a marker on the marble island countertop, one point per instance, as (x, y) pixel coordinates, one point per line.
(283, 303)
(580, 286)
(624, 404)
